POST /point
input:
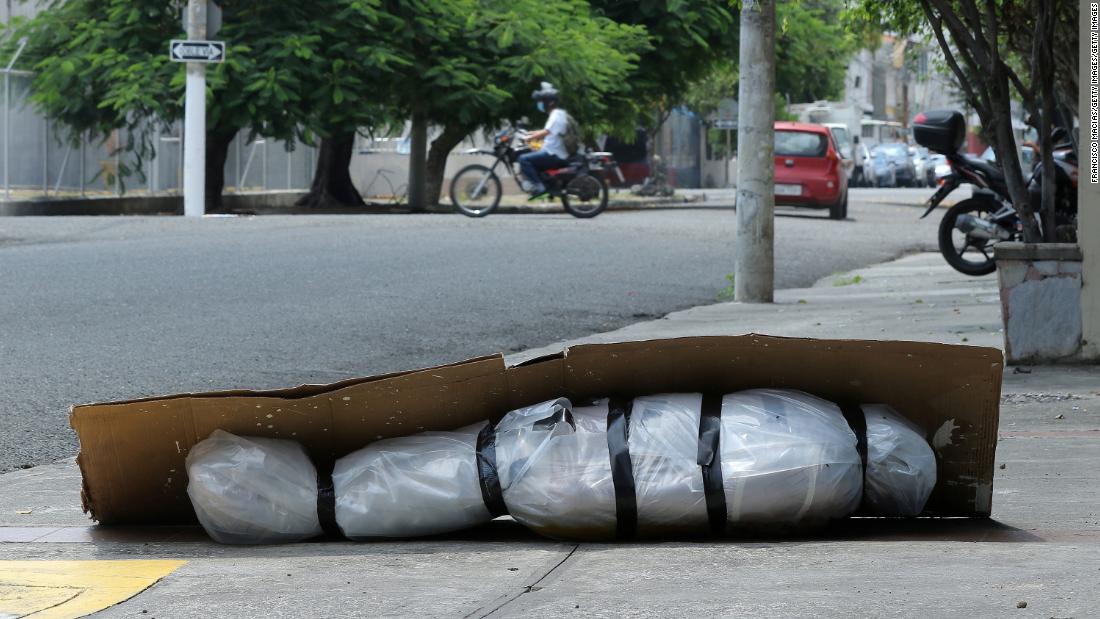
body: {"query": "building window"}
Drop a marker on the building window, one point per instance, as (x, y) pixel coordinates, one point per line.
(859, 80)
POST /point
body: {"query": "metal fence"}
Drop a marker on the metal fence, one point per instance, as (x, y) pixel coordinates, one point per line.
(42, 160)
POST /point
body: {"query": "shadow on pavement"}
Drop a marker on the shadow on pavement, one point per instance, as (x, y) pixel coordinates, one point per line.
(508, 535)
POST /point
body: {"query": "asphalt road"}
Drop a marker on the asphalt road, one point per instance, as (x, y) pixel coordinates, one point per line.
(98, 309)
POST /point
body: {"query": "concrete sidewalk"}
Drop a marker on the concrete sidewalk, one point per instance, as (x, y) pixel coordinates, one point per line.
(1042, 546)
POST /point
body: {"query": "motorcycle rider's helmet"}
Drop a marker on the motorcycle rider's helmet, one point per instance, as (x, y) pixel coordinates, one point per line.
(546, 94)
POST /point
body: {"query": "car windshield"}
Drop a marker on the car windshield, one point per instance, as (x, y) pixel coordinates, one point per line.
(892, 150)
(799, 144)
(880, 156)
(938, 159)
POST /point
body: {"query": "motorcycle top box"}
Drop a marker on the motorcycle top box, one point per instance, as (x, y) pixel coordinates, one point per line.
(943, 131)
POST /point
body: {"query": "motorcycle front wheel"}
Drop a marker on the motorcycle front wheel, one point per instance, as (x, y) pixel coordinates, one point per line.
(965, 253)
(585, 196)
(475, 191)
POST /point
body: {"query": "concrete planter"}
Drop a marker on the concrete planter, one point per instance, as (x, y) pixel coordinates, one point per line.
(1040, 288)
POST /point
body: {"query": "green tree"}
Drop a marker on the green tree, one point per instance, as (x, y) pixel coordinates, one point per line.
(812, 49)
(102, 65)
(688, 39)
(475, 63)
(976, 40)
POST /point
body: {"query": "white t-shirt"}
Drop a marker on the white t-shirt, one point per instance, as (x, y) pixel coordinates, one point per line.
(556, 124)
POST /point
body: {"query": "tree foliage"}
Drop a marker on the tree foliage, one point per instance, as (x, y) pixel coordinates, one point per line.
(291, 68)
(983, 46)
(812, 49)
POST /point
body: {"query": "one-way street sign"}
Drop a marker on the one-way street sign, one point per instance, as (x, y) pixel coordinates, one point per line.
(197, 51)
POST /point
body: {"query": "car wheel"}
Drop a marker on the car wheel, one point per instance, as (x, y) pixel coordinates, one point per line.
(839, 209)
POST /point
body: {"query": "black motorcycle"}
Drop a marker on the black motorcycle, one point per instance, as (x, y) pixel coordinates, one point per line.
(971, 228)
(581, 184)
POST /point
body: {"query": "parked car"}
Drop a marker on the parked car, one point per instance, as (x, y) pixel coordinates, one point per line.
(1028, 157)
(940, 167)
(864, 173)
(883, 169)
(921, 165)
(808, 169)
(905, 173)
(839, 132)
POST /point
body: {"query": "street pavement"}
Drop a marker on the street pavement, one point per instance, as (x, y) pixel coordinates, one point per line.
(1039, 555)
(106, 308)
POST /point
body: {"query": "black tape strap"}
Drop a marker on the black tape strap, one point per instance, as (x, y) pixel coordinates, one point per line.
(326, 503)
(622, 471)
(710, 461)
(853, 414)
(562, 414)
(487, 471)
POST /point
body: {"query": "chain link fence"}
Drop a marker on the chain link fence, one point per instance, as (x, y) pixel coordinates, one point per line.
(43, 160)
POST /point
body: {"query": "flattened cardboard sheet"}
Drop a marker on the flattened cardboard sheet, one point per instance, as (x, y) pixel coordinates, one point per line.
(132, 453)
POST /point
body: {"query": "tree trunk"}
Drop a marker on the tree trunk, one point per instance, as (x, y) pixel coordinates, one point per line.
(332, 184)
(1008, 155)
(436, 167)
(418, 147)
(1043, 55)
(754, 278)
(217, 151)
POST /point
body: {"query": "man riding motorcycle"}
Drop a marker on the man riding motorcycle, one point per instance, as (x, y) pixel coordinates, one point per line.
(553, 153)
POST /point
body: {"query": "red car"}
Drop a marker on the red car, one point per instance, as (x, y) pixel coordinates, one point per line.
(808, 169)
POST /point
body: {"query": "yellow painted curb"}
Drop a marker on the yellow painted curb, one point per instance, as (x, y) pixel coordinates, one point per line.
(64, 589)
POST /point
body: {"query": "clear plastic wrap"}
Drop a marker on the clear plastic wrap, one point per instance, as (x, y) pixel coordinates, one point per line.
(901, 466)
(664, 454)
(424, 484)
(787, 458)
(554, 469)
(249, 490)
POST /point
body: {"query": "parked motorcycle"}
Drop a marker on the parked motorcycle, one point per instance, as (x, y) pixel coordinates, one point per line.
(581, 184)
(971, 228)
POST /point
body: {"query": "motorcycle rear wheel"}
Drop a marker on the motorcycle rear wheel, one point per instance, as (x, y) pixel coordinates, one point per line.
(581, 197)
(957, 246)
(475, 191)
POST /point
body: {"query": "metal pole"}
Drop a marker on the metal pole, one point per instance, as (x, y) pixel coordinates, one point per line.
(118, 162)
(7, 114)
(289, 169)
(237, 168)
(154, 164)
(83, 156)
(263, 175)
(727, 157)
(7, 131)
(46, 158)
(194, 142)
(61, 173)
(754, 278)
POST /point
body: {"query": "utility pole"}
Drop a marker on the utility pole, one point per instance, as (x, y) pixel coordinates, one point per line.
(194, 123)
(754, 276)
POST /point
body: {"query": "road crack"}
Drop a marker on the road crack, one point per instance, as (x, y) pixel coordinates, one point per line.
(502, 601)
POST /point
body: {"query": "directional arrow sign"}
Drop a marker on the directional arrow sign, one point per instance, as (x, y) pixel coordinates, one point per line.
(197, 51)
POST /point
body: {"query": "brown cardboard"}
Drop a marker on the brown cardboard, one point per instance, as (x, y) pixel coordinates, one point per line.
(132, 453)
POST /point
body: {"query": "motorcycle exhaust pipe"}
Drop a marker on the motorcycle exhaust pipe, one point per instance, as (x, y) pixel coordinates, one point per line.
(980, 228)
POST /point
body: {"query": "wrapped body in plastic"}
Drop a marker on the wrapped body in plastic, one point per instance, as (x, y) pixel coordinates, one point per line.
(248, 490)
(785, 458)
(424, 484)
